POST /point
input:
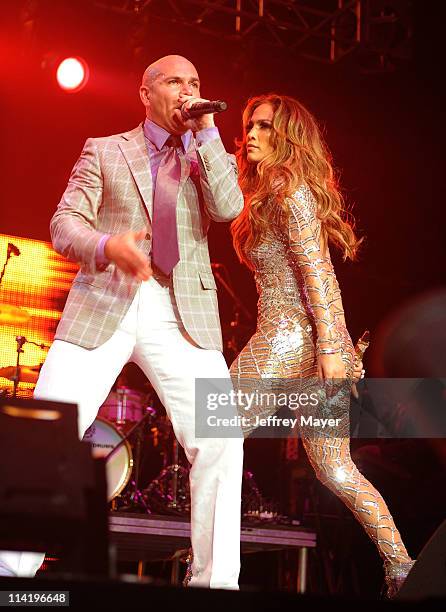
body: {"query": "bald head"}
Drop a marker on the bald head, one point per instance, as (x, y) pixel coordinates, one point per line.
(164, 66)
(166, 84)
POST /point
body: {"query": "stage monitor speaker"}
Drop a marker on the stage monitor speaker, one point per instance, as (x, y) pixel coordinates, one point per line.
(428, 576)
(52, 492)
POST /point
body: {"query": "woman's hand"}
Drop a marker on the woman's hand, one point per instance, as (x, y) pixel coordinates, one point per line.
(358, 373)
(330, 369)
(330, 366)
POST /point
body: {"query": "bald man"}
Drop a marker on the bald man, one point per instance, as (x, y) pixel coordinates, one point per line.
(135, 215)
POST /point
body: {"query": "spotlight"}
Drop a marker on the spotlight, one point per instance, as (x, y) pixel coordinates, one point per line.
(72, 74)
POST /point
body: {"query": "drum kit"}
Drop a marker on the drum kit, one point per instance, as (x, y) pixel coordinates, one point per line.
(124, 425)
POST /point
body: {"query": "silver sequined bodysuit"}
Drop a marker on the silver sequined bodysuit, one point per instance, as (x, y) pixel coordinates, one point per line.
(300, 311)
(299, 299)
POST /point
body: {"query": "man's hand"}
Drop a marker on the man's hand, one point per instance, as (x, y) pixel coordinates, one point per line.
(122, 250)
(198, 123)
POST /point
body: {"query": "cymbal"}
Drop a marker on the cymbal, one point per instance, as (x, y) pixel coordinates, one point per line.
(28, 374)
(10, 315)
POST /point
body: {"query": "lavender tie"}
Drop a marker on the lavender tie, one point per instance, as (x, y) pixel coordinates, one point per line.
(165, 252)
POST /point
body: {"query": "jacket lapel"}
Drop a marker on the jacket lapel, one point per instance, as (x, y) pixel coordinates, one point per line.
(134, 149)
(135, 152)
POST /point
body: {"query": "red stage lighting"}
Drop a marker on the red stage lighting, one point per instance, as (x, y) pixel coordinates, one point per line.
(72, 74)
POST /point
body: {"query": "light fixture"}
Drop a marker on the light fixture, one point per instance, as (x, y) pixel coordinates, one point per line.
(72, 74)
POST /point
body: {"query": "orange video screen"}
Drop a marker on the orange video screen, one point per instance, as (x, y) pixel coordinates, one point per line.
(33, 290)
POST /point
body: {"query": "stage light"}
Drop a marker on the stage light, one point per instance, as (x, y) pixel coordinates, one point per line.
(72, 74)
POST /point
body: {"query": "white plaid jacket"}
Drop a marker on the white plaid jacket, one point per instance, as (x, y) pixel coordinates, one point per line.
(109, 192)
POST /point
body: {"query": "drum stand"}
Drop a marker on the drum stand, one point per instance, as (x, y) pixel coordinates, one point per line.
(169, 491)
(134, 497)
(20, 342)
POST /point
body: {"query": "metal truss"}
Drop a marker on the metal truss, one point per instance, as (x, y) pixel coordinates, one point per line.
(378, 31)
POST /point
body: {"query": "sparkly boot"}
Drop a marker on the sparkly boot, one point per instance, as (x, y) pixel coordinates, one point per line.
(395, 575)
(334, 467)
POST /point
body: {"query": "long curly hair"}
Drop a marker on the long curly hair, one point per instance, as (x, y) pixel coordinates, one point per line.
(299, 155)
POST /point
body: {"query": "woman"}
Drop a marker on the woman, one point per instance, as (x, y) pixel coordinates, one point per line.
(293, 209)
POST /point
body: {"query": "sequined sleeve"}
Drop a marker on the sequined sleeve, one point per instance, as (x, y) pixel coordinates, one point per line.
(304, 231)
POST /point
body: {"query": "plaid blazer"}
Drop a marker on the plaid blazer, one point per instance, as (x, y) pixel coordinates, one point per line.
(109, 192)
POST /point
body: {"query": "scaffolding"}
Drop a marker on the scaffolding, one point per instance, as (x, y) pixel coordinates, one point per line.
(378, 32)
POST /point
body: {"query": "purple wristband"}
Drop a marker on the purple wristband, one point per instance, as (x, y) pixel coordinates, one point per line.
(101, 258)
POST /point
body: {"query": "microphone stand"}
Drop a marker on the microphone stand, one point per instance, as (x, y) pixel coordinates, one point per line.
(232, 344)
(21, 340)
(8, 257)
(230, 291)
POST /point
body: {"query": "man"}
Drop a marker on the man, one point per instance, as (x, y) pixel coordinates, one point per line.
(135, 215)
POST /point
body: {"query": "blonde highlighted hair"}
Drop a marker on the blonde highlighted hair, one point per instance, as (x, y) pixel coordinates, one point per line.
(299, 155)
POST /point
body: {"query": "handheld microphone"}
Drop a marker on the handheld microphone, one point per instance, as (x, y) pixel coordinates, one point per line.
(13, 249)
(362, 344)
(203, 108)
(360, 348)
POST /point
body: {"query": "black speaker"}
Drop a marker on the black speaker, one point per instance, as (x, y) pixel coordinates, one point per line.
(52, 492)
(428, 576)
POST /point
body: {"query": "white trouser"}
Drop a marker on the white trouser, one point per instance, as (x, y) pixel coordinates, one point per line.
(151, 336)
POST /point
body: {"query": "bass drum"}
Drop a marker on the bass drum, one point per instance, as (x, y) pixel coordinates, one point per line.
(104, 437)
